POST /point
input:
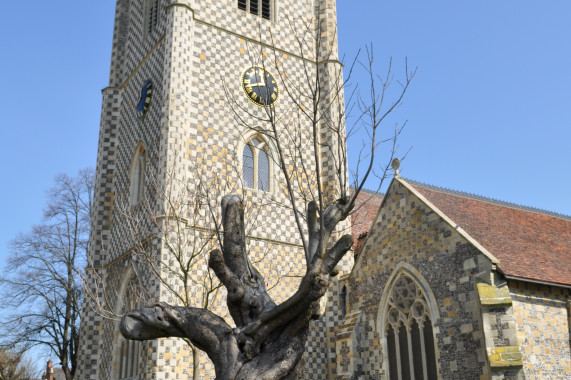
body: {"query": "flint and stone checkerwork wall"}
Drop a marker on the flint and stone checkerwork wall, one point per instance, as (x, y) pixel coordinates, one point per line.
(542, 319)
(484, 326)
(195, 55)
(409, 238)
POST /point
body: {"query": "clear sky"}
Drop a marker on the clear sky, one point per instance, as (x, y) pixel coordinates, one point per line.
(489, 111)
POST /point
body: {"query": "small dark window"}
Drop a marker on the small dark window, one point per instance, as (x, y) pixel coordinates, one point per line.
(343, 301)
(152, 15)
(392, 348)
(417, 356)
(403, 345)
(266, 9)
(253, 6)
(430, 354)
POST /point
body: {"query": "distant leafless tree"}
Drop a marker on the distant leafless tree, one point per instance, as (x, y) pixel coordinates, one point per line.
(41, 285)
(15, 366)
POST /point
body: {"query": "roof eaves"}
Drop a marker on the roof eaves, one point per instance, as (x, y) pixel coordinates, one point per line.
(531, 280)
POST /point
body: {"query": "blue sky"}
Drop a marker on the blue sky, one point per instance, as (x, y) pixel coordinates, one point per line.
(489, 111)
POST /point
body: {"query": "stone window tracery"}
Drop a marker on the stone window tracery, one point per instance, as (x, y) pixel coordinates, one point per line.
(409, 333)
(256, 164)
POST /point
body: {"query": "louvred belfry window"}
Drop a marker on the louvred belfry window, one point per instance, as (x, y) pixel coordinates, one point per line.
(261, 8)
(152, 15)
(409, 334)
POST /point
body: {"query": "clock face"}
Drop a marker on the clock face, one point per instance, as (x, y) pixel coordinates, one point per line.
(145, 99)
(260, 86)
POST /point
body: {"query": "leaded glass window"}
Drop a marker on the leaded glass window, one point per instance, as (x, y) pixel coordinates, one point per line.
(256, 165)
(409, 333)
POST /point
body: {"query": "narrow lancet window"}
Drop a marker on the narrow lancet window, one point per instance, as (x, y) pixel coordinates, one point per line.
(137, 176)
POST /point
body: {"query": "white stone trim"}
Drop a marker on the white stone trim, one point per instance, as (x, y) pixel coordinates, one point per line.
(270, 149)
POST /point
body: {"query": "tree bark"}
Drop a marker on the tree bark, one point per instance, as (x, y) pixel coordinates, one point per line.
(268, 341)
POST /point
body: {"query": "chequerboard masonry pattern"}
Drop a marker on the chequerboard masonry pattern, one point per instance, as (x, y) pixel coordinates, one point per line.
(194, 56)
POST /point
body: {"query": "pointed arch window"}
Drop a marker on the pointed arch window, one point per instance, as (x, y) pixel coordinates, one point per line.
(129, 351)
(137, 176)
(409, 333)
(256, 164)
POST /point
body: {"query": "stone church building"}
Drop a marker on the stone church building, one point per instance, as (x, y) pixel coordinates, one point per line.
(455, 286)
(443, 285)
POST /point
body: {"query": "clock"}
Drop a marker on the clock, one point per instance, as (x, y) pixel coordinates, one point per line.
(145, 99)
(260, 86)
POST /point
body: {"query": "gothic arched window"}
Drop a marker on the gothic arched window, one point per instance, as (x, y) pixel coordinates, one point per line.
(129, 351)
(256, 164)
(409, 333)
(137, 176)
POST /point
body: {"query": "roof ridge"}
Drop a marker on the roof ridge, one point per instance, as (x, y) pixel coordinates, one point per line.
(368, 191)
(488, 199)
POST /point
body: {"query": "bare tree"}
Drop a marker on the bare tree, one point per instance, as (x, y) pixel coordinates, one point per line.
(42, 288)
(14, 365)
(267, 340)
(181, 213)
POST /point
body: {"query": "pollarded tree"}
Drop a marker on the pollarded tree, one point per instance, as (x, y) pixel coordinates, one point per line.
(267, 340)
(42, 286)
(187, 202)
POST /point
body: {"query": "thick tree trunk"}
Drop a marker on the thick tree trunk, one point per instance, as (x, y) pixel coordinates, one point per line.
(268, 341)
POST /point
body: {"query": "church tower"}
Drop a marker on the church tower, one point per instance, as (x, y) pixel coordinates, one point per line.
(191, 83)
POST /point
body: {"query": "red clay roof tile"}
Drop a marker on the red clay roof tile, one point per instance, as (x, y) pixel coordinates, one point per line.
(530, 245)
